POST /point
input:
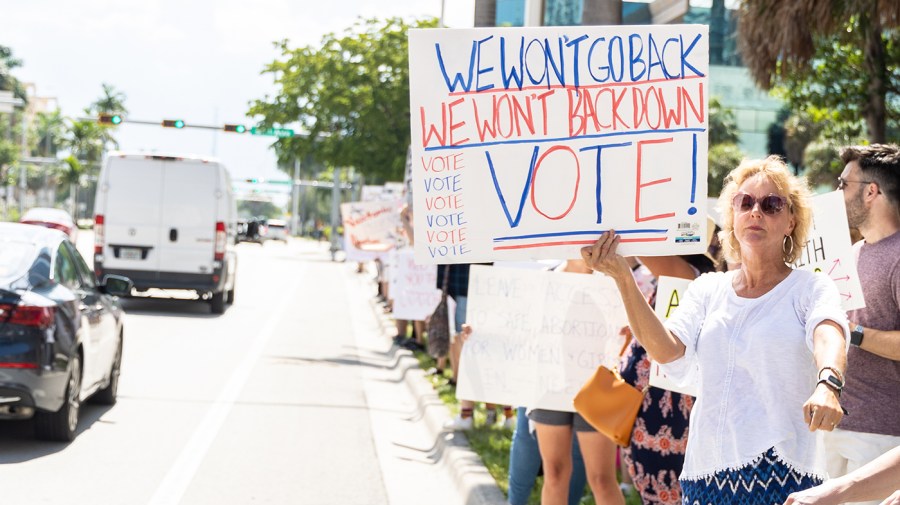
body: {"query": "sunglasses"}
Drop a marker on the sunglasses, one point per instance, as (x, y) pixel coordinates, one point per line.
(842, 183)
(770, 204)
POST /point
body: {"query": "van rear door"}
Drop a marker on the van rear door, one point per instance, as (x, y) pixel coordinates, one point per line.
(189, 211)
(132, 213)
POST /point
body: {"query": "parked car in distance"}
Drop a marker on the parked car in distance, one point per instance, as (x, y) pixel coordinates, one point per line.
(276, 229)
(57, 219)
(61, 331)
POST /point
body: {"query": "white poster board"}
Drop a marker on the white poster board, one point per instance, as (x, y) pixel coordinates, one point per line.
(537, 336)
(528, 143)
(669, 291)
(829, 249)
(413, 287)
(371, 229)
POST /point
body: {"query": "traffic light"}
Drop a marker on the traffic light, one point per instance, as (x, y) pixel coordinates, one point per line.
(253, 180)
(173, 123)
(236, 128)
(113, 119)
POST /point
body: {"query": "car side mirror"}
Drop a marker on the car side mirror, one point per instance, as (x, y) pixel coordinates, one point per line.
(116, 285)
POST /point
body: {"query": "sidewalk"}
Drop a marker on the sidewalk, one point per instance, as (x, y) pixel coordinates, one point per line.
(438, 463)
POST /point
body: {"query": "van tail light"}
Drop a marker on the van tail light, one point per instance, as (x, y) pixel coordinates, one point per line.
(25, 315)
(98, 234)
(220, 241)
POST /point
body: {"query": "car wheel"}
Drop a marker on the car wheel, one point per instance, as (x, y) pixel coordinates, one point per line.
(229, 298)
(61, 425)
(217, 302)
(107, 395)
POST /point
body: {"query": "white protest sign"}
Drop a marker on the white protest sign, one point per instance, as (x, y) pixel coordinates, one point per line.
(371, 229)
(669, 291)
(528, 143)
(537, 336)
(413, 287)
(829, 249)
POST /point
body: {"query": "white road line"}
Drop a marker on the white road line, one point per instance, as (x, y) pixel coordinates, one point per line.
(176, 482)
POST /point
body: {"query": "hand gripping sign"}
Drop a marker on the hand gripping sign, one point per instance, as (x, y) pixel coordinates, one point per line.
(528, 143)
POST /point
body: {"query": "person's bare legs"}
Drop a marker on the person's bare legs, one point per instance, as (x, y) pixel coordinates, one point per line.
(456, 343)
(599, 453)
(419, 331)
(555, 444)
(401, 328)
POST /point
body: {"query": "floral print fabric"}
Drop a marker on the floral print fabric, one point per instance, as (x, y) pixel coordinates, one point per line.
(656, 454)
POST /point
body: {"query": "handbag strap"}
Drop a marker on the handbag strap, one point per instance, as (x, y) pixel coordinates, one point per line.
(646, 388)
(627, 343)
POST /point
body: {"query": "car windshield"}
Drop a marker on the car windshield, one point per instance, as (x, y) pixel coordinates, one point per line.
(15, 259)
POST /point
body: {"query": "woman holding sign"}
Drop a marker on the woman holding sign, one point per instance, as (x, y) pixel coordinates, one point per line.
(769, 343)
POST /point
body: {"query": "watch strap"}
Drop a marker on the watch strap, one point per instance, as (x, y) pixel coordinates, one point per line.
(832, 382)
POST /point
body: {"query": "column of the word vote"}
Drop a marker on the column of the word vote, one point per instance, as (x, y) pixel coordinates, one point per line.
(445, 220)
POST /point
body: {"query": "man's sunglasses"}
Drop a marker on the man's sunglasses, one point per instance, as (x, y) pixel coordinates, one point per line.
(769, 204)
(842, 183)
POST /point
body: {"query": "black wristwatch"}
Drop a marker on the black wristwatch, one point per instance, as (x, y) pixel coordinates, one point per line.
(834, 380)
(856, 336)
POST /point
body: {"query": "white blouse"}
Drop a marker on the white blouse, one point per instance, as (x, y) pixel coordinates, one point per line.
(756, 369)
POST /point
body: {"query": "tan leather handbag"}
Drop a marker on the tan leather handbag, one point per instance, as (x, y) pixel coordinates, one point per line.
(610, 404)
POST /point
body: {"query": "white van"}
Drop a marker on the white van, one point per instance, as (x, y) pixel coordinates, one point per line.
(167, 222)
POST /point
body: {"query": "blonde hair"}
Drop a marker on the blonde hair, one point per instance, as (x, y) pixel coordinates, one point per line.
(794, 188)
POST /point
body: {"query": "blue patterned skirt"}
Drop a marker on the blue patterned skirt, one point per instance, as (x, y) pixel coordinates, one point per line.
(766, 482)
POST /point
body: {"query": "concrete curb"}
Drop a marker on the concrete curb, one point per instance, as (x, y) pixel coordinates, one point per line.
(451, 451)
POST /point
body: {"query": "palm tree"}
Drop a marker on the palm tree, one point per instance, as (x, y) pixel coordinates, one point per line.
(49, 130)
(779, 38)
(112, 102)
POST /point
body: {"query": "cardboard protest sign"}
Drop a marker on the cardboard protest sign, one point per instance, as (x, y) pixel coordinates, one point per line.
(528, 143)
(537, 336)
(829, 250)
(669, 291)
(371, 229)
(412, 287)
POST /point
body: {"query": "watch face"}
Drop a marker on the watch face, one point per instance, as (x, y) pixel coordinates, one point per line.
(834, 380)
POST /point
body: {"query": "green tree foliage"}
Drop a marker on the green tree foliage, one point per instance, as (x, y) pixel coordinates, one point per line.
(111, 101)
(723, 158)
(258, 208)
(48, 133)
(724, 154)
(350, 94)
(836, 85)
(835, 55)
(722, 124)
(8, 82)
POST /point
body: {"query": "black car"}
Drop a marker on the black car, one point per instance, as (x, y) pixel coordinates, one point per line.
(60, 331)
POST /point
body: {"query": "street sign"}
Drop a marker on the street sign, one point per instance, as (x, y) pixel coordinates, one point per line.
(272, 132)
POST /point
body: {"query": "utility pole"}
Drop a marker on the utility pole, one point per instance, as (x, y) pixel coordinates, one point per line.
(295, 199)
(23, 172)
(335, 213)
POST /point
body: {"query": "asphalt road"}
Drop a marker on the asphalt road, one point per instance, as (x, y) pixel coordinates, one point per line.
(290, 397)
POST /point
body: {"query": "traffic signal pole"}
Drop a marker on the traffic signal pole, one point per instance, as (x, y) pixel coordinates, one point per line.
(295, 199)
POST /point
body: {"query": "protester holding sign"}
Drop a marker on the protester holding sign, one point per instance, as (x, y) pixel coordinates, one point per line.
(554, 431)
(768, 341)
(655, 455)
(871, 189)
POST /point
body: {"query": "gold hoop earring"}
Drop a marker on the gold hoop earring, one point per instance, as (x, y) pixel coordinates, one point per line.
(787, 253)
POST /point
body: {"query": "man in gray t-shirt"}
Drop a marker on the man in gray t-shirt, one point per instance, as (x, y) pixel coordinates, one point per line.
(871, 185)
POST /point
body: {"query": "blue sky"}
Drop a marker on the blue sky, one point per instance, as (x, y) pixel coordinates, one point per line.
(197, 60)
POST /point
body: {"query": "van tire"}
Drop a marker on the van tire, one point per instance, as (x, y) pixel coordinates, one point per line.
(217, 302)
(229, 298)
